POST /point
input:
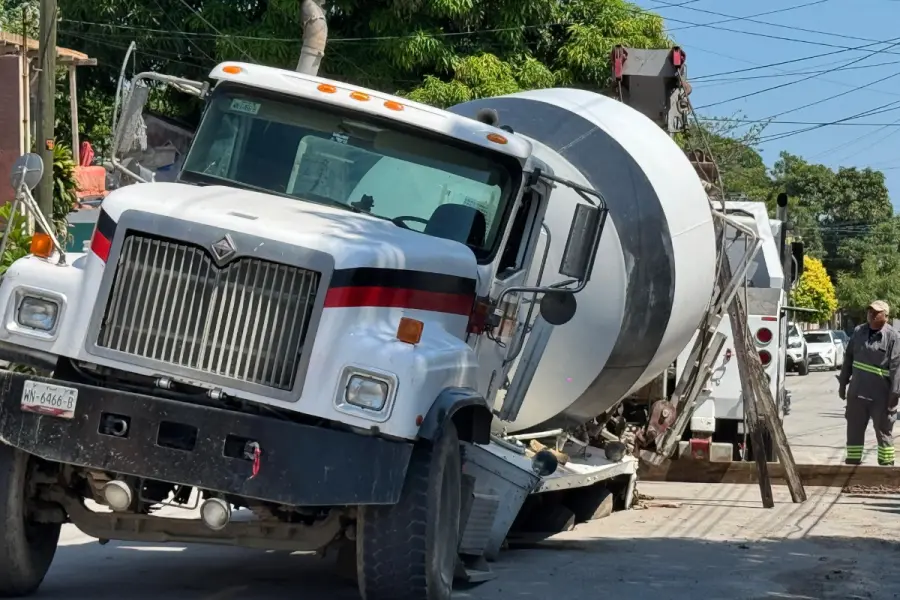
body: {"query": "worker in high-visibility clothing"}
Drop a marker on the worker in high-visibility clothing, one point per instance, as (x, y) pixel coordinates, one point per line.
(870, 383)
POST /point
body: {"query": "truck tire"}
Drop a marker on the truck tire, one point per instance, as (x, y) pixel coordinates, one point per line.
(408, 551)
(803, 369)
(26, 548)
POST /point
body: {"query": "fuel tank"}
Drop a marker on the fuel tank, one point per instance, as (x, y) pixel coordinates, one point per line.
(655, 268)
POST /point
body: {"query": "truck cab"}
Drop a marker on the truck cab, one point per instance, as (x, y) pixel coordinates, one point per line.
(311, 323)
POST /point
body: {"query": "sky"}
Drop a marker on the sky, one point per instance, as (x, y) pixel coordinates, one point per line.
(859, 81)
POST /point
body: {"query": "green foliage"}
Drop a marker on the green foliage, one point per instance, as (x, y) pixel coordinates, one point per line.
(831, 209)
(741, 167)
(17, 16)
(877, 275)
(19, 241)
(65, 187)
(439, 52)
(814, 291)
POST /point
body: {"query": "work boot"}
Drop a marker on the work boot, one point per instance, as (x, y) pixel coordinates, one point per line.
(853, 461)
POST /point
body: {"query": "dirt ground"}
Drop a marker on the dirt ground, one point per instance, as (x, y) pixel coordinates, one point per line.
(696, 541)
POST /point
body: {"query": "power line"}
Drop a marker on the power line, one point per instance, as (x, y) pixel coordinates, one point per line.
(839, 95)
(752, 19)
(821, 123)
(787, 134)
(792, 73)
(895, 42)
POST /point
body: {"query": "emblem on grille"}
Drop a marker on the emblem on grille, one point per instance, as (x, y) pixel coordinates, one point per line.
(224, 248)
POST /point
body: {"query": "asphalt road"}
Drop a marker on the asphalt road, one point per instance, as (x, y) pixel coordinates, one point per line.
(713, 542)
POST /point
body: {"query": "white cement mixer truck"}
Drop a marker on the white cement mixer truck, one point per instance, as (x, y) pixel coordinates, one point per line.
(310, 336)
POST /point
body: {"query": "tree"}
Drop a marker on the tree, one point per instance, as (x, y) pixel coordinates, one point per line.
(831, 208)
(441, 52)
(741, 167)
(878, 274)
(814, 291)
(17, 16)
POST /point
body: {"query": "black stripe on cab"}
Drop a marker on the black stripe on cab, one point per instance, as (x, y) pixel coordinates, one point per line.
(403, 279)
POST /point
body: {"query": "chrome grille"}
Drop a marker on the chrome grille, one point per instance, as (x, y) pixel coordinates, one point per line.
(247, 321)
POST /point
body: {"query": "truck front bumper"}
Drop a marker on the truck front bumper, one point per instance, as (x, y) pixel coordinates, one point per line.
(298, 465)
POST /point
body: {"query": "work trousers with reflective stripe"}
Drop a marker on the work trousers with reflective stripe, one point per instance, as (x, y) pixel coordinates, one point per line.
(859, 412)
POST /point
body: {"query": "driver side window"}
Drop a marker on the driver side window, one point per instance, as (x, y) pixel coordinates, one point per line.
(512, 259)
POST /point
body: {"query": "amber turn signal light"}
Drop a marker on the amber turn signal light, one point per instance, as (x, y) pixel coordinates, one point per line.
(410, 330)
(41, 245)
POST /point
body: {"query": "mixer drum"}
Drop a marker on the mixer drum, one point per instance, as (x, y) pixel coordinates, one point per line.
(655, 268)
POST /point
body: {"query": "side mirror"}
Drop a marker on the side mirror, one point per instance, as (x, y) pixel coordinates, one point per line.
(130, 125)
(558, 308)
(797, 254)
(27, 170)
(581, 246)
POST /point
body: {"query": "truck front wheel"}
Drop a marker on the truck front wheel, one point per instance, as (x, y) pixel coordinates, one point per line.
(26, 548)
(408, 551)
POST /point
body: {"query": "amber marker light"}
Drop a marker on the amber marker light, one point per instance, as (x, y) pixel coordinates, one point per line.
(496, 138)
(41, 245)
(326, 88)
(232, 70)
(390, 104)
(359, 96)
(410, 330)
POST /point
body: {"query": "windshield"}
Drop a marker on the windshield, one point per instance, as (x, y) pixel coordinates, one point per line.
(254, 140)
(818, 338)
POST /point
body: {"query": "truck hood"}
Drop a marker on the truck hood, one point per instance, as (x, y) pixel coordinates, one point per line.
(354, 240)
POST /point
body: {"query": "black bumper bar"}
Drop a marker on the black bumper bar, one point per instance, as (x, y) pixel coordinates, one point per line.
(204, 447)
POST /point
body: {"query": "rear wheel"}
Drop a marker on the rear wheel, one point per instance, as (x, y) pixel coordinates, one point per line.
(408, 551)
(26, 548)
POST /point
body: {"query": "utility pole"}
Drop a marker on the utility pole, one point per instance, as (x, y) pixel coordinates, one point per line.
(46, 105)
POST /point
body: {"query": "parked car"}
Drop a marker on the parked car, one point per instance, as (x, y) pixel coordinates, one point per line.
(825, 350)
(843, 337)
(797, 353)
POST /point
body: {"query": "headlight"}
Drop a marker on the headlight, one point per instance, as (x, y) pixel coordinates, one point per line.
(365, 392)
(37, 313)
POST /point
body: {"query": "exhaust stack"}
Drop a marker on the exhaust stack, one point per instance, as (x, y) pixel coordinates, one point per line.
(315, 36)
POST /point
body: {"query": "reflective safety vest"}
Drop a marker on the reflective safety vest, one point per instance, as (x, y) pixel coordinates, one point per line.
(868, 363)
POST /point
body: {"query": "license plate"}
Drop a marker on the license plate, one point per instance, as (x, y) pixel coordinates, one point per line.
(47, 399)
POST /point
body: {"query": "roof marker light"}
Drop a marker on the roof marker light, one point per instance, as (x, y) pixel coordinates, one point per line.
(390, 104)
(232, 70)
(496, 138)
(359, 96)
(326, 88)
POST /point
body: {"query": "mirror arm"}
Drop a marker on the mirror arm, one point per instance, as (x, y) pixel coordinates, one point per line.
(513, 352)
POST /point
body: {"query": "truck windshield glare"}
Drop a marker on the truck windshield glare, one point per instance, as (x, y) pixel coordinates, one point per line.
(353, 162)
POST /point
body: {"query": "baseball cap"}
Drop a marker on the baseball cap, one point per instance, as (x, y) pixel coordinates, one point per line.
(880, 306)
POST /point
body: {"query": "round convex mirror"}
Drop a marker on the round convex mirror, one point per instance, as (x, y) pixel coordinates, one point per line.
(28, 170)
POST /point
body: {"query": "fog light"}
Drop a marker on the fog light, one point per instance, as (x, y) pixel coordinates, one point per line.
(365, 392)
(37, 313)
(216, 513)
(118, 495)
